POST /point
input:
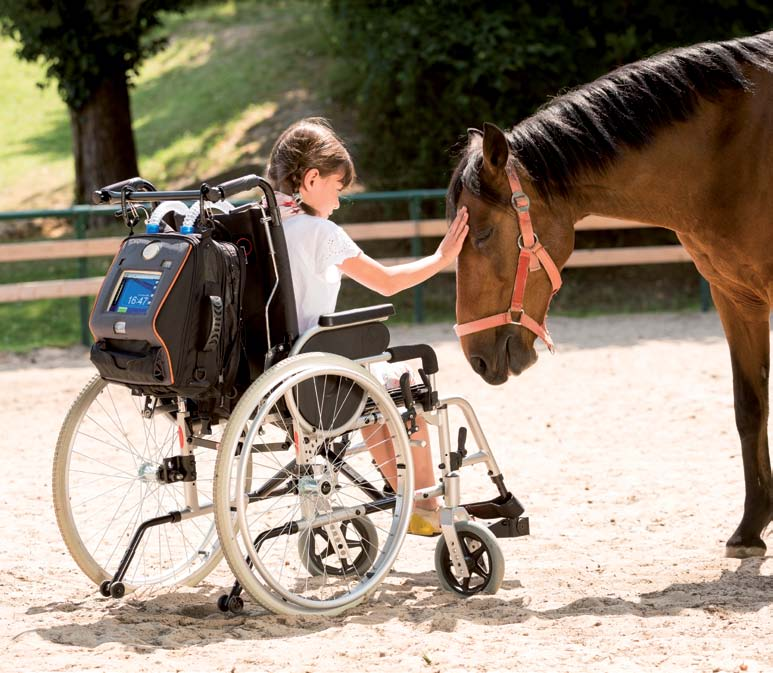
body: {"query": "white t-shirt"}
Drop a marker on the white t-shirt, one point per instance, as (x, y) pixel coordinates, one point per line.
(315, 246)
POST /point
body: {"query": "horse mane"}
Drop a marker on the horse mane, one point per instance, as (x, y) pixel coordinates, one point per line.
(586, 128)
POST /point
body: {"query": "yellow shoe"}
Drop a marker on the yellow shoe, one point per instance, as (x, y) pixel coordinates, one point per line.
(425, 522)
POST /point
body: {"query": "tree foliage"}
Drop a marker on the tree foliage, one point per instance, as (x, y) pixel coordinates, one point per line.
(84, 41)
(419, 72)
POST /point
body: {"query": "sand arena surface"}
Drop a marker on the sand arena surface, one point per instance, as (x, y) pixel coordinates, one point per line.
(623, 449)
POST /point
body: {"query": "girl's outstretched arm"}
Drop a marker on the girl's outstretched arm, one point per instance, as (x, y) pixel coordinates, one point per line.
(389, 280)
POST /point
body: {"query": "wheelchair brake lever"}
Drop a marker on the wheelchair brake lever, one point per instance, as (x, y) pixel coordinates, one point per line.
(430, 399)
(457, 457)
(409, 416)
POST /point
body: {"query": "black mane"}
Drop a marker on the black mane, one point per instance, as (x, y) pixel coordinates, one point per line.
(586, 128)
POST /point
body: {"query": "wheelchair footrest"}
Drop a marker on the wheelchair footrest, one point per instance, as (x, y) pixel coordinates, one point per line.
(516, 527)
(506, 506)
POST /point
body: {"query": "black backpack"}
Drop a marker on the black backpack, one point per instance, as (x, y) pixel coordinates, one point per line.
(166, 321)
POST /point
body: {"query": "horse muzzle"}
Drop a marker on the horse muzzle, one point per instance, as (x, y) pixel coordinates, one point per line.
(519, 355)
(510, 355)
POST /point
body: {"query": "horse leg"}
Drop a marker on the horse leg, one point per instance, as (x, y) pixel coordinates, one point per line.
(749, 341)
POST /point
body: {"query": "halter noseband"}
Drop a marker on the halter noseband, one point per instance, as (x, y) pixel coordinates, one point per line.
(532, 255)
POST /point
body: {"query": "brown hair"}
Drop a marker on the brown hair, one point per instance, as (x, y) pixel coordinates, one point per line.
(306, 144)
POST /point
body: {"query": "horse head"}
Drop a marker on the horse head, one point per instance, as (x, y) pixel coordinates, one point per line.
(499, 314)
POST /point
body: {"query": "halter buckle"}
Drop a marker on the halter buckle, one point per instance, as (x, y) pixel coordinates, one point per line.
(520, 202)
(531, 247)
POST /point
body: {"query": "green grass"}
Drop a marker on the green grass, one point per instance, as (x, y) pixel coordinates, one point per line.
(34, 324)
(233, 75)
(46, 322)
(35, 143)
(226, 85)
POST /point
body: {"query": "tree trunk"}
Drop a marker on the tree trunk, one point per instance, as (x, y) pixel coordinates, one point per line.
(103, 140)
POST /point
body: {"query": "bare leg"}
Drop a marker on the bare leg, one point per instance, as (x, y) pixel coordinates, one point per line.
(423, 470)
(380, 446)
(748, 335)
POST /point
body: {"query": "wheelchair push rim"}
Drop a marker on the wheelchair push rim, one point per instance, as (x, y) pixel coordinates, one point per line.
(334, 484)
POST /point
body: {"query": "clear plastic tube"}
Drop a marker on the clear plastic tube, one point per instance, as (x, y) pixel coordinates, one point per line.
(193, 212)
(153, 224)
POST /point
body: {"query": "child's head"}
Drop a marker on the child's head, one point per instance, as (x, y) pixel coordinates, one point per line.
(310, 159)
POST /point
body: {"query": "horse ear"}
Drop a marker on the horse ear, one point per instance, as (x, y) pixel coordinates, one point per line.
(495, 148)
(473, 133)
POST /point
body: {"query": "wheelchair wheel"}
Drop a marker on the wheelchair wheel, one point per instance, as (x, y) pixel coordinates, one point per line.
(483, 556)
(310, 420)
(106, 482)
(319, 555)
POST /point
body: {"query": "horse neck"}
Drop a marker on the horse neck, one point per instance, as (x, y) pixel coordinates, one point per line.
(663, 183)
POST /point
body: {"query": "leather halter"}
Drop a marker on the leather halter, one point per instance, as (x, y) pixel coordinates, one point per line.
(531, 257)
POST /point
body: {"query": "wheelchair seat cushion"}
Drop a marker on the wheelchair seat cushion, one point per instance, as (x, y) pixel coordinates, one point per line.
(353, 341)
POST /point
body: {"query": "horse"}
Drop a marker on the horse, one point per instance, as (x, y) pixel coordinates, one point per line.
(681, 140)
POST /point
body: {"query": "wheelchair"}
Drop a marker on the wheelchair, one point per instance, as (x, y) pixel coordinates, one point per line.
(277, 474)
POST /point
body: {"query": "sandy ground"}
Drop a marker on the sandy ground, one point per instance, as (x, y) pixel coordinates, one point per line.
(623, 449)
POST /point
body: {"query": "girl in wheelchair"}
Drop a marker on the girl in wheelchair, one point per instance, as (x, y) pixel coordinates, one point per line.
(309, 166)
(235, 415)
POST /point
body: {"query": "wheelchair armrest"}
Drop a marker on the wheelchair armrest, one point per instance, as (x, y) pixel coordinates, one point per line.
(423, 351)
(367, 314)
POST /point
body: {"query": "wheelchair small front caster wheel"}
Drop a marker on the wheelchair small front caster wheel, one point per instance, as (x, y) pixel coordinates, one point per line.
(222, 603)
(482, 555)
(234, 604)
(117, 589)
(104, 588)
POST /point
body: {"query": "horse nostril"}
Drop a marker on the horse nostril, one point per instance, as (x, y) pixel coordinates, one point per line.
(478, 364)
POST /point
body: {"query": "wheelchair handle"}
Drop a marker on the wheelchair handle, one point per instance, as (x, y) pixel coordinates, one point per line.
(237, 185)
(229, 188)
(112, 193)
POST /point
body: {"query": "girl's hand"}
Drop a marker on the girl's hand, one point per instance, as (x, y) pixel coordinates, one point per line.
(452, 242)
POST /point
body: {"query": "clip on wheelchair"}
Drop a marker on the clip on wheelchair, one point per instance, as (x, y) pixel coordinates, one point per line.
(295, 464)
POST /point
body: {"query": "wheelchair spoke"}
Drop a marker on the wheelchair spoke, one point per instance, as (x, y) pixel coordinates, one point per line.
(114, 418)
(107, 482)
(337, 553)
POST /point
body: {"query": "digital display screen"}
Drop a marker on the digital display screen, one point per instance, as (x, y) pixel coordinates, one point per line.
(135, 292)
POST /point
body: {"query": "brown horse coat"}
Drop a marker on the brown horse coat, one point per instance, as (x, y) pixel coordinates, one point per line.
(683, 140)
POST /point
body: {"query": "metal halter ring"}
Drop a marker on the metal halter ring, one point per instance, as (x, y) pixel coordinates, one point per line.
(532, 246)
(520, 196)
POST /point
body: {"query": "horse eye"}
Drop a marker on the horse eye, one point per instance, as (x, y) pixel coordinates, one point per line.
(483, 236)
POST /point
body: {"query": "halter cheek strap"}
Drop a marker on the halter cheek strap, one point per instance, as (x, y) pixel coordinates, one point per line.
(531, 256)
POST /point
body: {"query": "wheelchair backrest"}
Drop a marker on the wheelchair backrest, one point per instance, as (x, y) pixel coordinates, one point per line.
(268, 304)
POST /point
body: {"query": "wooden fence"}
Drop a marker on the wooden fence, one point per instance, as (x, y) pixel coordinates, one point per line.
(413, 229)
(405, 229)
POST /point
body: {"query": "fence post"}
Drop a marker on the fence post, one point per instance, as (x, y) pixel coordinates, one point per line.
(418, 291)
(81, 222)
(705, 295)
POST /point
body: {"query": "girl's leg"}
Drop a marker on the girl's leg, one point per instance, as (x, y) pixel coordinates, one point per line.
(380, 446)
(423, 470)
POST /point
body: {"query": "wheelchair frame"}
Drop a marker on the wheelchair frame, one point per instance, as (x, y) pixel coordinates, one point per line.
(461, 539)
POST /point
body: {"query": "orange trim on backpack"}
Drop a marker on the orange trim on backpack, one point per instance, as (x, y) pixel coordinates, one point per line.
(161, 305)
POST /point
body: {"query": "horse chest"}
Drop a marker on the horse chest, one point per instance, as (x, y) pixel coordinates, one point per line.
(748, 278)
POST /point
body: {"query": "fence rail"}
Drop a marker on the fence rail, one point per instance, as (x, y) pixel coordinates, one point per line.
(414, 229)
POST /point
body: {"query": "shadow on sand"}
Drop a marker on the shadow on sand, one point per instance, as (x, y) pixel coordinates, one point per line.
(172, 621)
